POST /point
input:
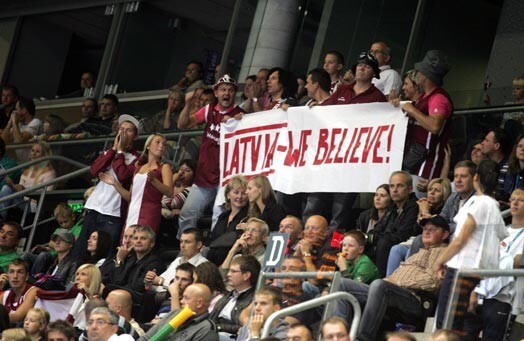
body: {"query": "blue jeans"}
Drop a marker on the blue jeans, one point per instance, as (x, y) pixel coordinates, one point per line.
(196, 203)
(95, 221)
(5, 191)
(38, 263)
(397, 254)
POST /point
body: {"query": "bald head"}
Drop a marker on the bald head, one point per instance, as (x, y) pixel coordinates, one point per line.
(121, 302)
(316, 229)
(197, 297)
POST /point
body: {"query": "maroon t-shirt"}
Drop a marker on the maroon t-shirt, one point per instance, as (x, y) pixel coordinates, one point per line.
(345, 94)
(208, 167)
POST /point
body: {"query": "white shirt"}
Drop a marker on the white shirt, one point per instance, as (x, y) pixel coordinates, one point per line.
(482, 249)
(33, 127)
(123, 337)
(389, 80)
(105, 199)
(169, 274)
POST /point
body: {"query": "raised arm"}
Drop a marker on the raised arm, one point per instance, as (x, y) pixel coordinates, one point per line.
(110, 180)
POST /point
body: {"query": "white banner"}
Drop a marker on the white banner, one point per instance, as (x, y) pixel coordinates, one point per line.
(339, 148)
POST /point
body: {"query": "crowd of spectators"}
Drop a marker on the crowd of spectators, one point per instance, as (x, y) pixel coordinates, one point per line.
(101, 275)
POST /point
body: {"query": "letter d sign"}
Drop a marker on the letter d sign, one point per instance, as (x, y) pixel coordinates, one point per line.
(275, 250)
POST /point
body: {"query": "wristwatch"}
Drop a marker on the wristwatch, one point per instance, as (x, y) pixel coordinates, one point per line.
(255, 99)
(306, 254)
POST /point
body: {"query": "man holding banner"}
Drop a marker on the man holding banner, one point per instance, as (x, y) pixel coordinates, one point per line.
(360, 91)
(207, 177)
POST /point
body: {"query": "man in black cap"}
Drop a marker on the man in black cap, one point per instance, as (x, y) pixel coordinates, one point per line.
(362, 89)
(429, 126)
(400, 290)
(338, 205)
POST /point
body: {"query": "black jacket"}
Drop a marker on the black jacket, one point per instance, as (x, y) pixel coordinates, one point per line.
(130, 275)
(231, 326)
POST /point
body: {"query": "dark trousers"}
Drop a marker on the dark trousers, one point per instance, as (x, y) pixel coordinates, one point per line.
(465, 286)
(338, 206)
(95, 221)
(492, 318)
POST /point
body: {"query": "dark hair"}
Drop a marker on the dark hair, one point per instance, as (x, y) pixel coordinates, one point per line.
(340, 57)
(197, 233)
(513, 163)
(249, 264)
(63, 327)
(209, 274)
(373, 213)
(112, 98)
(190, 163)
(200, 66)
(16, 226)
(298, 259)
(19, 262)
(12, 88)
(252, 77)
(502, 138)
(488, 173)
(187, 267)
(288, 81)
(2, 148)
(320, 76)
(208, 92)
(301, 325)
(27, 104)
(57, 124)
(103, 246)
(95, 102)
(470, 165)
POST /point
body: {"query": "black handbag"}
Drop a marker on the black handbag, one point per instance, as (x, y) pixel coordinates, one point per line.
(414, 157)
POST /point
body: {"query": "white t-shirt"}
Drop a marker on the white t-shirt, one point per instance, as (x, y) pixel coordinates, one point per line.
(105, 199)
(482, 249)
(389, 80)
(34, 127)
(170, 272)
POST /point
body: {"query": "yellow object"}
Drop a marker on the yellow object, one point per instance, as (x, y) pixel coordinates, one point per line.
(181, 317)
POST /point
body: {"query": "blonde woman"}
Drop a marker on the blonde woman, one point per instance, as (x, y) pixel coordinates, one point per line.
(89, 279)
(263, 203)
(31, 176)
(35, 323)
(152, 180)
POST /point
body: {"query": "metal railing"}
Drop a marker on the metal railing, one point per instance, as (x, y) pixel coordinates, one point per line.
(109, 139)
(43, 187)
(334, 287)
(314, 303)
(452, 303)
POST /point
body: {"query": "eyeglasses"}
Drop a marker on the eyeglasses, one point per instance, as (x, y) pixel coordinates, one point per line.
(98, 322)
(234, 271)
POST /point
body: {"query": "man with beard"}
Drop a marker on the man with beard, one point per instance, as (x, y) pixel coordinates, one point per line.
(207, 177)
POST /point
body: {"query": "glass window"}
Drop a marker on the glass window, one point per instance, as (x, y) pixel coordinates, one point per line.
(53, 50)
(161, 37)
